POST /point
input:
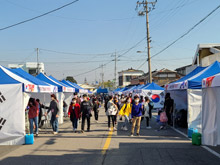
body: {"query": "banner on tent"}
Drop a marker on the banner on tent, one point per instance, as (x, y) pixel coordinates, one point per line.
(178, 85)
(12, 119)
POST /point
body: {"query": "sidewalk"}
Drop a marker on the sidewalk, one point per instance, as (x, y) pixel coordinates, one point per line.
(152, 147)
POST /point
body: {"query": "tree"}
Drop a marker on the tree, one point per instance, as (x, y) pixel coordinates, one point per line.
(71, 79)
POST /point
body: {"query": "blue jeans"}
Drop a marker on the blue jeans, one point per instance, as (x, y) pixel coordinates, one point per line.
(75, 123)
(35, 121)
(54, 123)
(126, 121)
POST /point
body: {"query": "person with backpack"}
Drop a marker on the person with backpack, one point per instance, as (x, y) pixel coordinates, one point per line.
(74, 113)
(136, 114)
(112, 110)
(85, 109)
(125, 111)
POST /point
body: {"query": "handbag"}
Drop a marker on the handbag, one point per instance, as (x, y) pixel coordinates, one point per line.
(163, 117)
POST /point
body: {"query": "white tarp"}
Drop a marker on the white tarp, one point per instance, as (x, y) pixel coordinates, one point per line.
(12, 114)
(211, 116)
(194, 117)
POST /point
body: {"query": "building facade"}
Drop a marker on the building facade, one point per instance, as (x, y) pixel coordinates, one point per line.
(161, 77)
(126, 76)
(29, 67)
(206, 54)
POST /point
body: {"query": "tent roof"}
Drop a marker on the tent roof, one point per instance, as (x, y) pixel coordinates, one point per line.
(8, 77)
(196, 81)
(152, 86)
(67, 88)
(100, 90)
(213, 81)
(191, 74)
(42, 86)
(48, 80)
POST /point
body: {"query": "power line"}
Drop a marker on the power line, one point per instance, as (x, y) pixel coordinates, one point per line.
(186, 33)
(31, 19)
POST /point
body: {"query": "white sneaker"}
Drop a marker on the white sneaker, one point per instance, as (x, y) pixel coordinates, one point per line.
(125, 129)
(149, 127)
(109, 129)
(115, 129)
(55, 133)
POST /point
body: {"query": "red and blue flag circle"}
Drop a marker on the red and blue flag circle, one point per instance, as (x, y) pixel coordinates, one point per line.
(155, 98)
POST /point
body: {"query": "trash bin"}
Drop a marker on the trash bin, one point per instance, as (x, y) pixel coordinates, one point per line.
(196, 139)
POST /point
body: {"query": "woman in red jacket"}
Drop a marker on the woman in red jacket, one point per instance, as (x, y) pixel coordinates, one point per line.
(33, 115)
(74, 113)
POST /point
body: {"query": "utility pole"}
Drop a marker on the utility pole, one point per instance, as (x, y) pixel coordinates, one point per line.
(37, 60)
(115, 79)
(146, 11)
(102, 75)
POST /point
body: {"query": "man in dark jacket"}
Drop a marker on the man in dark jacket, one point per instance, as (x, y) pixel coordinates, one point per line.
(54, 109)
(85, 109)
(168, 106)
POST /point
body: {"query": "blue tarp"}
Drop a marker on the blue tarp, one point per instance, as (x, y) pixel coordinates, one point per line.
(152, 86)
(100, 90)
(196, 83)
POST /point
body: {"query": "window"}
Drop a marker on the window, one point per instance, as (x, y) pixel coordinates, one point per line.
(128, 78)
(120, 81)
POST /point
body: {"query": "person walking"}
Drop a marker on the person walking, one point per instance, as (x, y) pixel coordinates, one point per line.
(116, 102)
(74, 114)
(111, 112)
(78, 100)
(168, 106)
(147, 112)
(136, 114)
(33, 115)
(96, 109)
(54, 109)
(125, 111)
(85, 110)
(41, 107)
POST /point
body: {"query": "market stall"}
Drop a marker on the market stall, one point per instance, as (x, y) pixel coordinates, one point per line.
(211, 111)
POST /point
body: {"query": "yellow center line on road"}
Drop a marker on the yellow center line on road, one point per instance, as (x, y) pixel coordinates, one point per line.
(107, 142)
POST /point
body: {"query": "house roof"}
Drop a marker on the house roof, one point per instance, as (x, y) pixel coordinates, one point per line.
(131, 70)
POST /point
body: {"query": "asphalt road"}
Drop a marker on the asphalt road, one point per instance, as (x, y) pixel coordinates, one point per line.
(101, 147)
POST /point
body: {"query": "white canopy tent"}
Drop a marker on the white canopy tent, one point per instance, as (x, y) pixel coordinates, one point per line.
(187, 94)
(211, 111)
(13, 101)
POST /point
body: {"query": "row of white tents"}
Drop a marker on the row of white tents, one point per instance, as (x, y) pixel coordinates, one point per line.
(16, 87)
(197, 93)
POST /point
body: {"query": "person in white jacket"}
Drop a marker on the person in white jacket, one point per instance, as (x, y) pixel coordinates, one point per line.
(112, 110)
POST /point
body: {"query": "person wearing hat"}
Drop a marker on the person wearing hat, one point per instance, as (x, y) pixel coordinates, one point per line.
(136, 114)
(54, 109)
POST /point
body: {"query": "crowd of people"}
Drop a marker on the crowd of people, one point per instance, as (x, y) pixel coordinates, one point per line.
(132, 110)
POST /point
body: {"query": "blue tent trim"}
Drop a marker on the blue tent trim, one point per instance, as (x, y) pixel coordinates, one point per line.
(152, 86)
(191, 74)
(6, 79)
(20, 72)
(212, 70)
(44, 78)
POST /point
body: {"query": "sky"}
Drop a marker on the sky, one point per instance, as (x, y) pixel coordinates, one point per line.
(78, 39)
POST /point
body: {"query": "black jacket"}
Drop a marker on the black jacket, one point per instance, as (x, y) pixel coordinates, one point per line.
(86, 107)
(53, 108)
